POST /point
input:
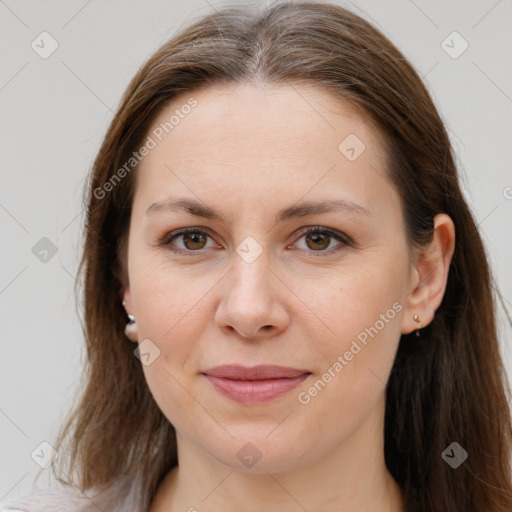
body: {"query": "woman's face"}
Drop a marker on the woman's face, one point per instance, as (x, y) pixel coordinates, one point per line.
(251, 287)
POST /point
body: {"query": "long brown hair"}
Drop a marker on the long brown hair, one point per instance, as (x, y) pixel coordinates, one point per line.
(447, 386)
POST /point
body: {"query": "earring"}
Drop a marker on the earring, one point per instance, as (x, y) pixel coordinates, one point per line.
(416, 318)
(130, 329)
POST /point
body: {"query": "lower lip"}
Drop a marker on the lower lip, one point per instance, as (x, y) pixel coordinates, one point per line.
(255, 391)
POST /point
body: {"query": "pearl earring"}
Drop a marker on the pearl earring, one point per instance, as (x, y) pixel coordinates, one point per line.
(416, 318)
(130, 329)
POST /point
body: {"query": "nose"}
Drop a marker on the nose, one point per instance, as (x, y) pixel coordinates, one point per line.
(252, 301)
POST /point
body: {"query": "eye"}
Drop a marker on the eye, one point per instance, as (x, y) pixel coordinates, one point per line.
(318, 238)
(193, 239)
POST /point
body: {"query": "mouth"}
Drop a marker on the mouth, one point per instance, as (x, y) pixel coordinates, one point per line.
(255, 384)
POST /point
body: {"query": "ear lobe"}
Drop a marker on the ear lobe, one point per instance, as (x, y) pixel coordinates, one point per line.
(431, 267)
(127, 299)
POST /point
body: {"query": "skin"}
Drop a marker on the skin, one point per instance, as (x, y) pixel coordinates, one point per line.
(249, 151)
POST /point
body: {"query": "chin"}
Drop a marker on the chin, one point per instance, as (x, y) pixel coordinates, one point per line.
(256, 453)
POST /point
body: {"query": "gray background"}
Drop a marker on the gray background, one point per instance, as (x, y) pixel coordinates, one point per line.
(55, 111)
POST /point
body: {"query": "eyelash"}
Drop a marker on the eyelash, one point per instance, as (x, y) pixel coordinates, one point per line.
(340, 237)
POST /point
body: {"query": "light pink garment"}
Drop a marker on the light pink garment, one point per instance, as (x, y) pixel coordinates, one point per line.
(65, 499)
(123, 496)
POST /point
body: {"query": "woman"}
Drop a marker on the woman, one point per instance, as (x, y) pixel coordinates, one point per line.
(288, 305)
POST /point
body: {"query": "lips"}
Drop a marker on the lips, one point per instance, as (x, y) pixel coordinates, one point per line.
(254, 384)
(237, 372)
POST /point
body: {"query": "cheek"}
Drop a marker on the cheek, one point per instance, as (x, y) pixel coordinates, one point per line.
(168, 300)
(360, 356)
(351, 299)
(173, 395)
(362, 309)
(171, 314)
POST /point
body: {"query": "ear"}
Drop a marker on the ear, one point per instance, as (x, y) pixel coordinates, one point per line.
(429, 275)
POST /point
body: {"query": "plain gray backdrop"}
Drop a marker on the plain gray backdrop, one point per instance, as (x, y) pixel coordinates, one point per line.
(55, 110)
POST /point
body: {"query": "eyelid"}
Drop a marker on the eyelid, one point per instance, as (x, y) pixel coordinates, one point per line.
(342, 238)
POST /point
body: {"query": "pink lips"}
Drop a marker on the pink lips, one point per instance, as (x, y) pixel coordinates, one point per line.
(256, 384)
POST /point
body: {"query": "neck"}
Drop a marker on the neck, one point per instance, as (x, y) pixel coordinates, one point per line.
(350, 478)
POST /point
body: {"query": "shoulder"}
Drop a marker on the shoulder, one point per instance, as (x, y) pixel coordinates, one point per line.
(49, 500)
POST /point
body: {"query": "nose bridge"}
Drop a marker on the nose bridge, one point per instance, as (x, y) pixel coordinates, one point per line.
(250, 273)
(250, 303)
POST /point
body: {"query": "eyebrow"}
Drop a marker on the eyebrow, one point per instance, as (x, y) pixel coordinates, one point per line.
(199, 209)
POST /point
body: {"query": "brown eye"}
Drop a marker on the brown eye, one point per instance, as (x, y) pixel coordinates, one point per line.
(318, 241)
(192, 240)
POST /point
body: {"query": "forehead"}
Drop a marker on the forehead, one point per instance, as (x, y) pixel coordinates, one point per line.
(304, 117)
(252, 137)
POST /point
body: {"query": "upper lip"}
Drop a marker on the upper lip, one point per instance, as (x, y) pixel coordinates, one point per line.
(261, 372)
